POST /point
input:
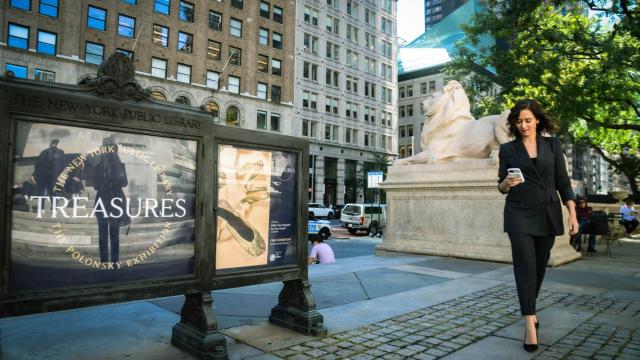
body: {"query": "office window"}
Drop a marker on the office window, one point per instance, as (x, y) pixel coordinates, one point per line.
(275, 122)
(186, 11)
(261, 120)
(276, 40)
(276, 67)
(423, 88)
(94, 53)
(402, 111)
(18, 71)
(402, 131)
(97, 18)
(277, 14)
(215, 21)
(385, 25)
(46, 76)
(369, 65)
(213, 108)
(333, 51)
(352, 84)
(309, 128)
(235, 27)
(331, 105)
(309, 100)
(409, 111)
(46, 42)
(332, 78)
(401, 92)
(183, 73)
(158, 95)
(310, 71)
(352, 8)
(185, 42)
(126, 53)
(232, 117)
(370, 17)
(432, 86)
(183, 100)
(369, 139)
(261, 91)
(49, 8)
(350, 136)
(234, 84)
(311, 16)
(265, 10)
(162, 6)
(370, 114)
(385, 71)
(334, 3)
(213, 79)
(159, 67)
(126, 26)
(409, 150)
(370, 41)
(386, 95)
(263, 63)
(352, 59)
(402, 152)
(351, 110)
(214, 50)
(352, 33)
(385, 48)
(21, 4)
(310, 43)
(332, 24)
(331, 132)
(263, 37)
(409, 130)
(409, 90)
(160, 35)
(239, 4)
(370, 89)
(235, 56)
(275, 94)
(386, 5)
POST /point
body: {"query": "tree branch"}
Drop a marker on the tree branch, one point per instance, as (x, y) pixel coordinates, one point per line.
(608, 125)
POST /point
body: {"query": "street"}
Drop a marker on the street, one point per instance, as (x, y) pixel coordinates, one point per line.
(345, 245)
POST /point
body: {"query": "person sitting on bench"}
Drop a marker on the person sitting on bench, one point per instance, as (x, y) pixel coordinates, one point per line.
(629, 214)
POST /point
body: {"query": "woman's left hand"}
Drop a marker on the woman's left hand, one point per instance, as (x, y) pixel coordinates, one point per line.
(574, 227)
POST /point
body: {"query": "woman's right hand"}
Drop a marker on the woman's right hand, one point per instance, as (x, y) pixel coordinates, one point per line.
(512, 180)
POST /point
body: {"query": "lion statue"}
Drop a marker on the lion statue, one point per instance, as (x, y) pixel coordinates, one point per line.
(451, 133)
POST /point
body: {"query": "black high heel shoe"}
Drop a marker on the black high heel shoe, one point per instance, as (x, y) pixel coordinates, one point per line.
(529, 347)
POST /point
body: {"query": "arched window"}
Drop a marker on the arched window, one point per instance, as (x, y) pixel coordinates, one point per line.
(212, 108)
(158, 95)
(183, 100)
(233, 116)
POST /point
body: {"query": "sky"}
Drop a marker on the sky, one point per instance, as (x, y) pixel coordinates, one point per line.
(410, 20)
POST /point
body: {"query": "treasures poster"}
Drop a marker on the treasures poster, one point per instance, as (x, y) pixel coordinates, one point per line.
(93, 206)
(256, 210)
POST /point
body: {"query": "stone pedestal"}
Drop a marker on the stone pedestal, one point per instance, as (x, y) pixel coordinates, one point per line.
(197, 333)
(296, 309)
(452, 209)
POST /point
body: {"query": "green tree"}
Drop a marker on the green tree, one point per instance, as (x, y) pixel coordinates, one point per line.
(585, 70)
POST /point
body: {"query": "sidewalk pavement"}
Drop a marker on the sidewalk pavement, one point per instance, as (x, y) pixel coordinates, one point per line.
(389, 307)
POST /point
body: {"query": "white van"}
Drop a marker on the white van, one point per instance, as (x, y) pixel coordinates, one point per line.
(367, 217)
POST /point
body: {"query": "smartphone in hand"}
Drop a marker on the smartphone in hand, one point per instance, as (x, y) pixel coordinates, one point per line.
(516, 172)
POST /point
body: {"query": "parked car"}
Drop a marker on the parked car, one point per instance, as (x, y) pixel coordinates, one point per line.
(337, 211)
(365, 217)
(320, 211)
(318, 228)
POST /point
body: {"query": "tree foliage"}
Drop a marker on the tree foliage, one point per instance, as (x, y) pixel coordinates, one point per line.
(584, 69)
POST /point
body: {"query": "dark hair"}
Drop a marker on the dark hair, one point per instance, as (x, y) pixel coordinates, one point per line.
(629, 202)
(546, 124)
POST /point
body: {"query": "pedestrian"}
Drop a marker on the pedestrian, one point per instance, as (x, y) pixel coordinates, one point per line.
(532, 212)
(584, 219)
(321, 252)
(49, 165)
(628, 213)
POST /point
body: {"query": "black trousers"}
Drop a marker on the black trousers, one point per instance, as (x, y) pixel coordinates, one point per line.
(530, 257)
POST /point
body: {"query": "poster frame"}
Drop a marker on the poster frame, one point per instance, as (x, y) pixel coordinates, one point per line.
(26, 101)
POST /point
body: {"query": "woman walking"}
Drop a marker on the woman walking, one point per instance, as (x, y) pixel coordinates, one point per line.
(532, 212)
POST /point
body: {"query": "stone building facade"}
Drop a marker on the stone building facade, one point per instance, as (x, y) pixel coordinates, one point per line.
(233, 58)
(346, 92)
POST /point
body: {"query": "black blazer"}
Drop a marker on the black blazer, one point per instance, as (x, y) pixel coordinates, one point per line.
(534, 207)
